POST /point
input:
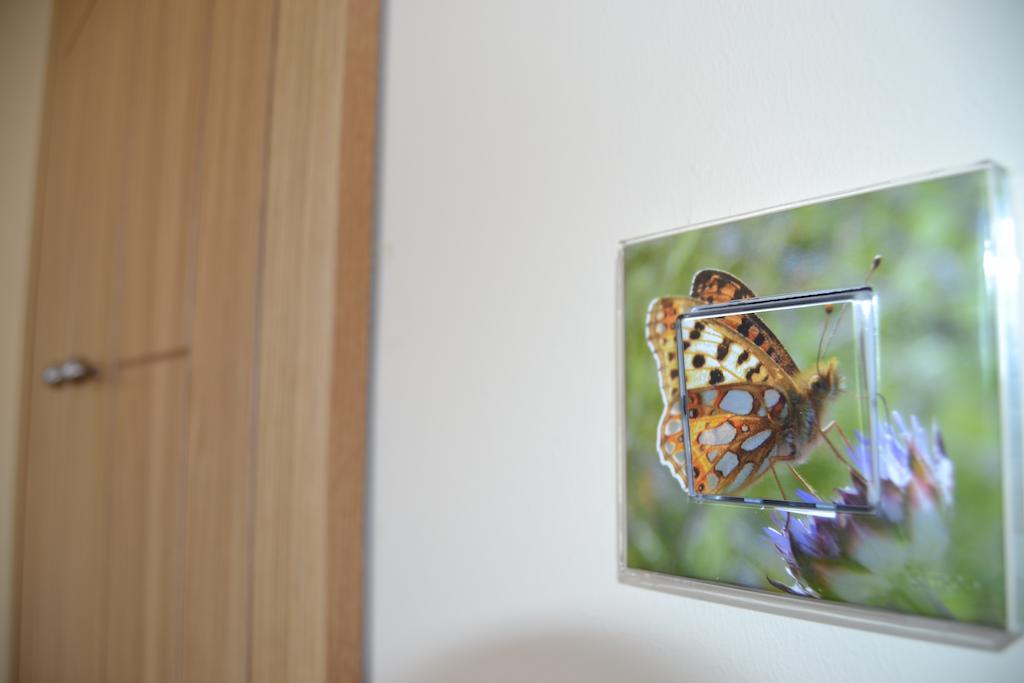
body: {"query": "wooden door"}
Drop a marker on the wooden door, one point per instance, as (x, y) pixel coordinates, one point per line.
(204, 221)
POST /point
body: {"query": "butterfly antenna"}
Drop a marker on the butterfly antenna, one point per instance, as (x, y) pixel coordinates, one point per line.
(826, 334)
(823, 344)
(821, 339)
(875, 263)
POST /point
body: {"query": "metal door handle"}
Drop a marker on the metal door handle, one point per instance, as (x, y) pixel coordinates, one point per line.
(77, 370)
(72, 370)
(52, 375)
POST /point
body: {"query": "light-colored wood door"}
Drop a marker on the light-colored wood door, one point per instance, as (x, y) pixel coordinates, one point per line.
(145, 530)
(162, 148)
(194, 513)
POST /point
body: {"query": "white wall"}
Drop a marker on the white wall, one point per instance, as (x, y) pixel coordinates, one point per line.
(521, 141)
(24, 36)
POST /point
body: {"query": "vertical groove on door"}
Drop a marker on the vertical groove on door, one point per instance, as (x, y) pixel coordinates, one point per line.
(188, 325)
(216, 591)
(257, 339)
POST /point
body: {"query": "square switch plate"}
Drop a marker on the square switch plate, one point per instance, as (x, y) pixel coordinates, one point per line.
(747, 414)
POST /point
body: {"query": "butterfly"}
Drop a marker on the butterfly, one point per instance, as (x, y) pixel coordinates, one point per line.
(748, 405)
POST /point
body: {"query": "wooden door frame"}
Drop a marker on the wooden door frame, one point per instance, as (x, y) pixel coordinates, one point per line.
(353, 319)
(299, 44)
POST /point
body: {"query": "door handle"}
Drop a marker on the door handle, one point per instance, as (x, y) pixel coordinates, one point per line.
(72, 370)
(52, 376)
(77, 370)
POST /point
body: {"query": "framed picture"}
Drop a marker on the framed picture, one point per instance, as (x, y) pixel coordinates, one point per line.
(819, 410)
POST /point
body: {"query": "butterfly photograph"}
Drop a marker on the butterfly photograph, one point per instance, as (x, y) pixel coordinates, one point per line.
(748, 408)
(774, 437)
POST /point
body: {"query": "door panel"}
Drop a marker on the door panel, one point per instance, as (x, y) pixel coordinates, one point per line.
(171, 41)
(84, 207)
(222, 348)
(146, 541)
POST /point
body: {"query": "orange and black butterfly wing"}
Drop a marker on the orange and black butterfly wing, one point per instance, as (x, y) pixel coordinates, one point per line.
(661, 339)
(733, 426)
(730, 381)
(718, 287)
(729, 452)
(726, 377)
(711, 286)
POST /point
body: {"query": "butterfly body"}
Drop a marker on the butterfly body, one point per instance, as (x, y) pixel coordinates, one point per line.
(747, 403)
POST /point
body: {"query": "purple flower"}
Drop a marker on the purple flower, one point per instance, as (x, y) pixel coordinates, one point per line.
(868, 558)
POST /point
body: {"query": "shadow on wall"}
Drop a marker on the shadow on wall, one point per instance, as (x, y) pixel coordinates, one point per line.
(566, 654)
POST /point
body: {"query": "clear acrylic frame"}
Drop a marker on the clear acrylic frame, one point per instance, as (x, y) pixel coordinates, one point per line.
(1000, 272)
(862, 304)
